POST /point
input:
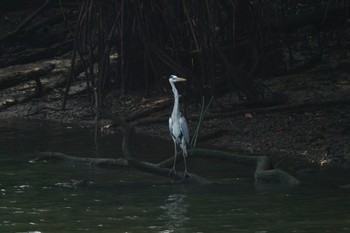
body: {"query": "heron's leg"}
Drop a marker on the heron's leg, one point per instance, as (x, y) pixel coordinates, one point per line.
(174, 164)
(186, 174)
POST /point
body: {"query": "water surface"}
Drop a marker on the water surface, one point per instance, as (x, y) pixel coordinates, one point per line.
(34, 200)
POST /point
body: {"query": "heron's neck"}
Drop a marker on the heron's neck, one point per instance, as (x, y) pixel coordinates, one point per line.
(176, 98)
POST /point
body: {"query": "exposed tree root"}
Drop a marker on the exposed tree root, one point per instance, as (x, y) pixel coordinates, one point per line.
(154, 168)
(14, 75)
(264, 172)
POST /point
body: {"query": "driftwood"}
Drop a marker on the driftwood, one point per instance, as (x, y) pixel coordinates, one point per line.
(40, 90)
(14, 75)
(96, 162)
(264, 172)
(154, 168)
(11, 102)
(32, 72)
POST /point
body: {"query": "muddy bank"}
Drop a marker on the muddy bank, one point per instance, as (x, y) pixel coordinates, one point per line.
(313, 125)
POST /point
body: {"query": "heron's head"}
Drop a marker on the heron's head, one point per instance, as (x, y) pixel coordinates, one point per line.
(174, 79)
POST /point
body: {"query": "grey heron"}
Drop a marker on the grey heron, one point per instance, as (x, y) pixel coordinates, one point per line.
(178, 126)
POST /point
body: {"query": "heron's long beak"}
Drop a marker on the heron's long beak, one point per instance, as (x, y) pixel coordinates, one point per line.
(179, 79)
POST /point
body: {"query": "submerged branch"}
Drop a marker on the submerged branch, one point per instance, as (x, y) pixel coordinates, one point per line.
(154, 168)
(264, 172)
(96, 162)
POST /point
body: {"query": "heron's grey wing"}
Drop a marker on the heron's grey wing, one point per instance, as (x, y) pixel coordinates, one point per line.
(184, 129)
(171, 127)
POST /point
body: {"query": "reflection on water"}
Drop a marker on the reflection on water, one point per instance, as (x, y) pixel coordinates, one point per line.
(125, 200)
(175, 208)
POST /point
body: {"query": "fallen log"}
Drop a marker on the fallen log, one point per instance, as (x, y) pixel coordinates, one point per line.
(264, 172)
(61, 79)
(154, 168)
(14, 75)
(96, 162)
(275, 176)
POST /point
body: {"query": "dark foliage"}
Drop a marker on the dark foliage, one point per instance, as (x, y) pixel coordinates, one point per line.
(218, 45)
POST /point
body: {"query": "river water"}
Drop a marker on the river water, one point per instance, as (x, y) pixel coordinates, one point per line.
(34, 197)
